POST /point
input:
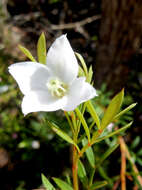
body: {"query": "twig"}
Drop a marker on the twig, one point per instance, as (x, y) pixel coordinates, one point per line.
(116, 184)
(123, 164)
(75, 24)
(139, 178)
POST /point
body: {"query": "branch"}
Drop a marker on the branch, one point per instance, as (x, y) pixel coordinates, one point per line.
(75, 24)
(123, 164)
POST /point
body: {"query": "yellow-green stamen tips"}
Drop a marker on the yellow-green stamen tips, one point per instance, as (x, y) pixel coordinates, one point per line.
(57, 88)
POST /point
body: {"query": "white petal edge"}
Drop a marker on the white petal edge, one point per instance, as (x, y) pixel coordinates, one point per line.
(62, 61)
(80, 92)
(29, 75)
(41, 101)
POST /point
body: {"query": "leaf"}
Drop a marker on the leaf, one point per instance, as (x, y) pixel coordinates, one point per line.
(80, 116)
(89, 153)
(83, 63)
(62, 134)
(81, 72)
(125, 111)
(111, 134)
(136, 142)
(61, 184)
(41, 49)
(106, 154)
(139, 153)
(90, 74)
(46, 183)
(105, 176)
(82, 173)
(27, 53)
(112, 109)
(93, 113)
(98, 185)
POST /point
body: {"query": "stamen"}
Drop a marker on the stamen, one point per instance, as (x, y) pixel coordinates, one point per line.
(57, 88)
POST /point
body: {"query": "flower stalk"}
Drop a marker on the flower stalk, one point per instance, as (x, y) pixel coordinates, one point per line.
(75, 169)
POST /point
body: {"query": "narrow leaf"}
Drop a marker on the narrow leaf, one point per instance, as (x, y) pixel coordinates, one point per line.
(41, 49)
(80, 116)
(106, 154)
(62, 184)
(81, 72)
(93, 113)
(111, 134)
(82, 173)
(89, 153)
(125, 111)
(62, 134)
(105, 176)
(98, 185)
(112, 109)
(83, 63)
(90, 74)
(27, 53)
(46, 183)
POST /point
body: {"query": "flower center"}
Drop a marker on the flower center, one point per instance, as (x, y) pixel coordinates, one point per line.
(57, 88)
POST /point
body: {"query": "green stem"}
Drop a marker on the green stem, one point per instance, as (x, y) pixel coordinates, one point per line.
(69, 121)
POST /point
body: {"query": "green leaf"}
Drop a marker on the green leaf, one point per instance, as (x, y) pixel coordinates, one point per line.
(46, 183)
(111, 134)
(82, 173)
(139, 153)
(89, 153)
(106, 154)
(27, 53)
(62, 134)
(41, 49)
(124, 111)
(93, 113)
(112, 109)
(83, 63)
(81, 72)
(62, 184)
(105, 176)
(80, 116)
(136, 142)
(98, 185)
(90, 74)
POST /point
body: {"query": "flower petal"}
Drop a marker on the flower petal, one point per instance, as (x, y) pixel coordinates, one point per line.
(80, 91)
(62, 61)
(30, 75)
(41, 101)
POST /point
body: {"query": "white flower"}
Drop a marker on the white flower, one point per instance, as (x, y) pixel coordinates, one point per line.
(55, 85)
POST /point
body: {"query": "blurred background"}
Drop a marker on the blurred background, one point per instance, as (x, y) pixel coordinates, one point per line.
(108, 34)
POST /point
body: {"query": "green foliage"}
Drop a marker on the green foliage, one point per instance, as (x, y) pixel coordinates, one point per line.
(27, 53)
(62, 134)
(89, 153)
(46, 183)
(106, 154)
(62, 184)
(98, 185)
(83, 64)
(41, 49)
(82, 173)
(80, 116)
(124, 111)
(111, 134)
(112, 109)
(93, 114)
